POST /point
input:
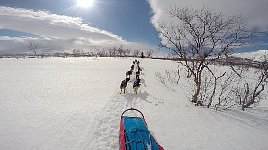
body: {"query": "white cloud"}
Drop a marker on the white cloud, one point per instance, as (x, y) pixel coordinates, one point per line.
(254, 12)
(54, 32)
(51, 25)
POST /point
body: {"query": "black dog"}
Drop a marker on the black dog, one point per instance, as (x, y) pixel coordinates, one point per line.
(129, 73)
(139, 68)
(123, 85)
(136, 86)
(138, 74)
(132, 67)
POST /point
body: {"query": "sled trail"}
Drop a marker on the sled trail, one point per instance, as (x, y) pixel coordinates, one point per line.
(105, 129)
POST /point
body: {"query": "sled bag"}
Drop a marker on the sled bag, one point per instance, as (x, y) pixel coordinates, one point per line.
(134, 135)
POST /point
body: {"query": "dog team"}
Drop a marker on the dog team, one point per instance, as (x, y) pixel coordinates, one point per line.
(135, 70)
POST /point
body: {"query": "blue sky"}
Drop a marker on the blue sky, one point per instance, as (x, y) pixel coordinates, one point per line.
(129, 19)
(108, 22)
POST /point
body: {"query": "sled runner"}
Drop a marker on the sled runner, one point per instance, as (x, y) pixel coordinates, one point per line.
(134, 134)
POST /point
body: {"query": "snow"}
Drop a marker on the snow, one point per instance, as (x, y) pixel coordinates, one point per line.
(75, 103)
(255, 55)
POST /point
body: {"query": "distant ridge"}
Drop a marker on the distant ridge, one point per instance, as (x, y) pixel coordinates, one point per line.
(255, 55)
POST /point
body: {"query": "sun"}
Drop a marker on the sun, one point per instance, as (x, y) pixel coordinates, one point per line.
(84, 3)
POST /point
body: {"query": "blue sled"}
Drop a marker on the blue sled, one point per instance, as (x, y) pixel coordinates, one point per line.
(134, 134)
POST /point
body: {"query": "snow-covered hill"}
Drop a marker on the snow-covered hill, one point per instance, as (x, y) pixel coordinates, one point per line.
(75, 103)
(255, 55)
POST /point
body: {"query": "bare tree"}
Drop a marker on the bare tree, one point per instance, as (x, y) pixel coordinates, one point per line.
(170, 76)
(77, 52)
(149, 53)
(252, 92)
(102, 53)
(136, 53)
(199, 37)
(128, 51)
(33, 47)
(244, 87)
(112, 52)
(223, 91)
(121, 51)
(209, 86)
(118, 52)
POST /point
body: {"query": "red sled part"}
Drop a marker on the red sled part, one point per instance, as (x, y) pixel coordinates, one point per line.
(122, 140)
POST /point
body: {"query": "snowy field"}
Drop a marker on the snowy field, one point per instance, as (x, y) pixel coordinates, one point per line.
(75, 104)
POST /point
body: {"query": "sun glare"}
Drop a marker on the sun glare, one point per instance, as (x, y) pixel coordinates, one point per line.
(84, 3)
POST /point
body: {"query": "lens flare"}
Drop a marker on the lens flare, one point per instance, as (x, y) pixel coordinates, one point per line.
(84, 3)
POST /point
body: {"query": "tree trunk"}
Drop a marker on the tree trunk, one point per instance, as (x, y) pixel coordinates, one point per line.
(196, 94)
(213, 93)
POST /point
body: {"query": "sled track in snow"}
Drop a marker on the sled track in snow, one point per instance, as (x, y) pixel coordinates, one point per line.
(105, 129)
